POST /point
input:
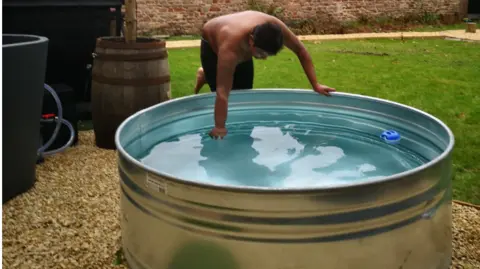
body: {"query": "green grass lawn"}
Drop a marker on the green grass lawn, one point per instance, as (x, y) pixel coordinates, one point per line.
(437, 76)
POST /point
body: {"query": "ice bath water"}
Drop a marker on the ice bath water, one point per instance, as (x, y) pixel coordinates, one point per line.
(291, 148)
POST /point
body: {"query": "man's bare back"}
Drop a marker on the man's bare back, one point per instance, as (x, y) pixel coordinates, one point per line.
(228, 44)
(234, 29)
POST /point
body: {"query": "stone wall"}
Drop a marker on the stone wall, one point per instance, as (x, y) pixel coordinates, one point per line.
(176, 17)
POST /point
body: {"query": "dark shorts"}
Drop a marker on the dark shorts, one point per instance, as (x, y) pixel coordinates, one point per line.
(242, 79)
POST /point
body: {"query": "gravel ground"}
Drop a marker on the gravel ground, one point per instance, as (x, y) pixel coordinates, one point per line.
(70, 219)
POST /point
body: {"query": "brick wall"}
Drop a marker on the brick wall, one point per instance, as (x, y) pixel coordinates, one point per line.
(187, 16)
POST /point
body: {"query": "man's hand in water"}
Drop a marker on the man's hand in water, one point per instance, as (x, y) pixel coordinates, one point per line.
(323, 89)
(216, 133)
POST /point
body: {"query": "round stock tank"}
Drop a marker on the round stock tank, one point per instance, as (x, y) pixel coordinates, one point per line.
(301, 181)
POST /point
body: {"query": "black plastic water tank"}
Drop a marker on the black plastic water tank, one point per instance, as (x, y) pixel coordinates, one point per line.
(24, 62)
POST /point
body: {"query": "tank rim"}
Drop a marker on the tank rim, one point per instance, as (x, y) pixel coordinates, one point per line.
(35, 39)
(248, 189)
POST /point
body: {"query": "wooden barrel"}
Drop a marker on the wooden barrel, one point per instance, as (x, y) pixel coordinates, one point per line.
(126, 78)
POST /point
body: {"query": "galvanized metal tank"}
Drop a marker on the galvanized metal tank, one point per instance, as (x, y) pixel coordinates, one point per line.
(398, 221)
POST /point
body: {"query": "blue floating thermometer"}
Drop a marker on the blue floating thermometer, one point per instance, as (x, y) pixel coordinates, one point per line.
(390, 136)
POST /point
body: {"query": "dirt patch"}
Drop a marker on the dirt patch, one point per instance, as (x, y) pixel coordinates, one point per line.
(367, 53)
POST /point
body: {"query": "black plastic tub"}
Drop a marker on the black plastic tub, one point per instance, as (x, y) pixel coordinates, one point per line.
(24, 65)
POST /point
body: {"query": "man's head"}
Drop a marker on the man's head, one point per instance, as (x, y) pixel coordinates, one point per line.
(266, 40)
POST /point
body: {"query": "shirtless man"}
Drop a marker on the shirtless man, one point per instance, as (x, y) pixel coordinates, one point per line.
(228, 44)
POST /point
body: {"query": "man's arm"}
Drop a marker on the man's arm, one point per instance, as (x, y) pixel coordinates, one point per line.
(225, 70)
(295, 45)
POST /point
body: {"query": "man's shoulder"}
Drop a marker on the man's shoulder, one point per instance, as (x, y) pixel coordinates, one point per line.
(229, 34)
